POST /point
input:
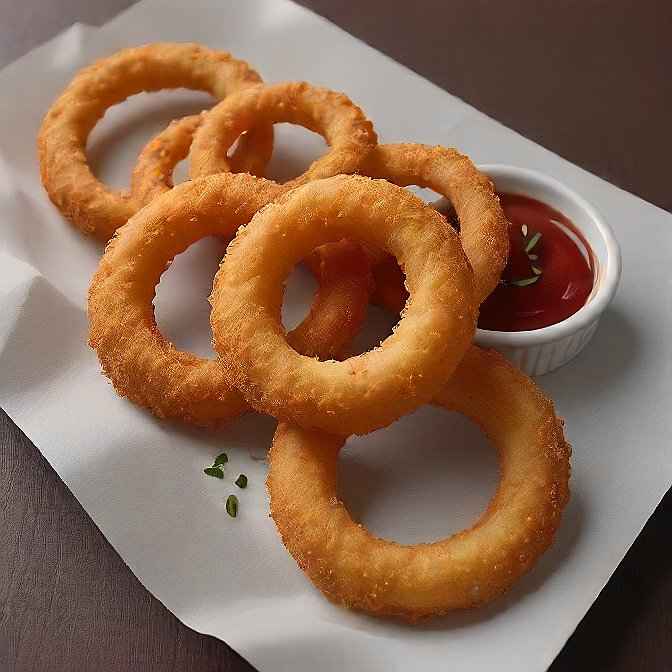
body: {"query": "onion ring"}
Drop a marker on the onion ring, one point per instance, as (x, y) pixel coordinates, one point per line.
(371, 390)
(469, 569)
(66, 175)
(483, 228)
(147, 369)
(153, 171)
(333, 115)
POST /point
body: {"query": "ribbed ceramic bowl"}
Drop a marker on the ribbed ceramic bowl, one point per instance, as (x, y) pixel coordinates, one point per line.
(543, 350)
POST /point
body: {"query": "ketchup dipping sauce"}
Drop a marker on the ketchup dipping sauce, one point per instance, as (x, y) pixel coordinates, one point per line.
(550, 272)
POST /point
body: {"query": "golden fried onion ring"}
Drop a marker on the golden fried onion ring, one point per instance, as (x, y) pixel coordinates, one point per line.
(371, 390)
(66, 175)
(153, 171)
(150, 371)
(333, 115)
(483, 228)
(469, 569)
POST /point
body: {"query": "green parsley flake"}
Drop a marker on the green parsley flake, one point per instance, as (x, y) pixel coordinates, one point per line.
(216, 472)
(532, 243)
(241, 481)
(525, 281)
(232, 505)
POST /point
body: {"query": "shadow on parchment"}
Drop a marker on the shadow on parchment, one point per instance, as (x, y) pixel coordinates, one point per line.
(611, 354)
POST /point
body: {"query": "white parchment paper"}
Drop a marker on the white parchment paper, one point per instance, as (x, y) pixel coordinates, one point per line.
(422, 479)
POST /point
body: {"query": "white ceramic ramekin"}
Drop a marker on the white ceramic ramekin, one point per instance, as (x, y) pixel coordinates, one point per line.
(543, 350)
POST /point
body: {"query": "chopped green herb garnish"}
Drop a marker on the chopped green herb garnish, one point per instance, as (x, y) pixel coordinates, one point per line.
(217, 472)
(536, 271)
(232, 505)
(222, 458)
(532, 243)
(533, 257)
(525, 281)
(241, 481)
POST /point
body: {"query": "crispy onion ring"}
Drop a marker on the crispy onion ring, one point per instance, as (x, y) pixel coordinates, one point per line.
(483, 228)
(150, 371)
(66, 175)
(469, 569)
(153, 171)
(371, 390)
(333, 115)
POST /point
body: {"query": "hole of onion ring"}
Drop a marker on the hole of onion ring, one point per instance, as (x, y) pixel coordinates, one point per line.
(438, 202)
(377, 326)
(300, 290)
(300, 293)
(118, 138)
(294, 149)
(422, 479)
(181, 304)
(181, 171)
(425, 194)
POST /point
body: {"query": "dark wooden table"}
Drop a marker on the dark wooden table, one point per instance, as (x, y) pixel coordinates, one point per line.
(590, 80)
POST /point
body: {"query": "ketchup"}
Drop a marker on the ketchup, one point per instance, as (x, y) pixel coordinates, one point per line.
(549, 275)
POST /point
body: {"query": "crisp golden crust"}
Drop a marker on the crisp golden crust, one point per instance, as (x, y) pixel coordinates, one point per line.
(483, 228)
(469, 569)
(150, 371)
(371, 390)
(343, 125)
(66, 175)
